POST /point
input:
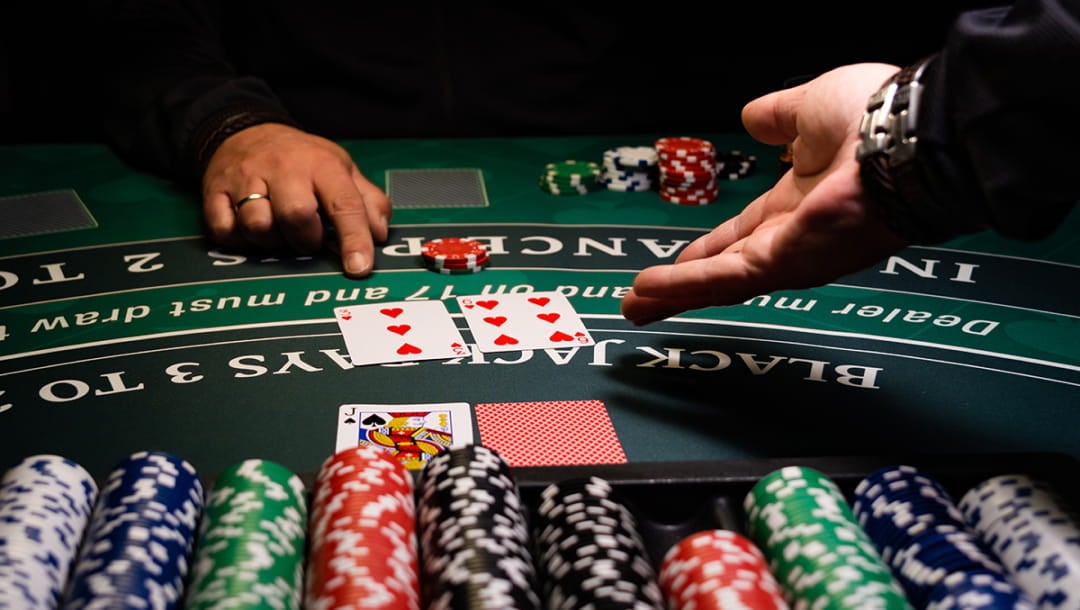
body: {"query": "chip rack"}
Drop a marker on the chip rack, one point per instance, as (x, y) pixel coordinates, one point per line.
(673, 500)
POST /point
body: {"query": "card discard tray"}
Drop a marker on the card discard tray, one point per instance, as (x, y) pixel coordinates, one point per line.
(672, 500)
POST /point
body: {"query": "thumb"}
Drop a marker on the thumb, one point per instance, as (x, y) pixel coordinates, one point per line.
(771, 118)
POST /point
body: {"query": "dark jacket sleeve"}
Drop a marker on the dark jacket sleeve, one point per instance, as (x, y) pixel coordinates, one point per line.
(999, 116)
(170, 94)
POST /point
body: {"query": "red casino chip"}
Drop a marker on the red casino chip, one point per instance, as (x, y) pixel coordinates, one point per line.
(683, 146)
(716, 569)
(453, 250)
(688, 169)
(479, 261)
(363, 498)
(460, 269)
(705, 199)
(454, 255)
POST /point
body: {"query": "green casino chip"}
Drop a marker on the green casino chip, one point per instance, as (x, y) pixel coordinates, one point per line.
(251, 544)
(570, 178)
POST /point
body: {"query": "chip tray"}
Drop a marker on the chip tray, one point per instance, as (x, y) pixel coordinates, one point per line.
(675, 499)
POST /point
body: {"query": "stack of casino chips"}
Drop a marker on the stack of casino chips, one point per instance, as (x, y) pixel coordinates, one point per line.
(45, 504)
(923, 536)
(717, 569)
(140, 536)
(590, 551)
(454, 255)
(251, 543)
(629, 168)
(362, 534)
(688, 170)
(570, 178)
(474, 535)
(816, 548)
(1033, 532)
(735, 165)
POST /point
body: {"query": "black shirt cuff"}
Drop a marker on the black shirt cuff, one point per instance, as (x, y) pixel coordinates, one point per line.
(216, 128)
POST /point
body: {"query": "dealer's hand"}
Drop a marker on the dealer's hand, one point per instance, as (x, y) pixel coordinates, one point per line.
(810, 228)
(296, 173)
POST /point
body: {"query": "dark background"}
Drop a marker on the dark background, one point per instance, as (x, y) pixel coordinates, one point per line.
(49, 72)
(46, 73)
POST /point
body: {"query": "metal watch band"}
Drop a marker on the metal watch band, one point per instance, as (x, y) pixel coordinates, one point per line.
(888, 164)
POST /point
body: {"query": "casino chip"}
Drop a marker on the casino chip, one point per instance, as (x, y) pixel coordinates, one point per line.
(570, 178)
(590, 551)
(362, 534)
(735, 165)
(688, 170)
(716, 569)
(474, 538)
(454, 255)
(820, 554)
(140, 536)
(629, 168)
(923, 536)
(45, 506)
(1034, 533)
(251, 543)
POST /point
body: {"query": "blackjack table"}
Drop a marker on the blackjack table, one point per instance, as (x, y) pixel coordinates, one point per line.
(123, 329)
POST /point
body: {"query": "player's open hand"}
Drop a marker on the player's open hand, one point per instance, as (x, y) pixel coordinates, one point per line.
(297, 173)
(810, 228)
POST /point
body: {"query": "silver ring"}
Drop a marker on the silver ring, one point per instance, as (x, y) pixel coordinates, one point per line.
(251, 197)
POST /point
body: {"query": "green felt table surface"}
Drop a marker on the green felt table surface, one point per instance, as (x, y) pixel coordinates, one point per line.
(138, 333)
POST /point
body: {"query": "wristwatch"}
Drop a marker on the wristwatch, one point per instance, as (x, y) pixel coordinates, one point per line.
(889, 165)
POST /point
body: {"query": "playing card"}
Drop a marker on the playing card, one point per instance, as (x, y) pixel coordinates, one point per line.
(436, 188)
(550, 433)
(43, 212)
(412, 432)
(401, 331)
(534, 320)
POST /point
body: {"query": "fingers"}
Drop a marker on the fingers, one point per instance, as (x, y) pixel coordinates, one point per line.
(221, 220)
(765, 209)
(665, 290)
(828, 235)
(377, 204)
(289, 217)
(313, 195)
(360, 216)
(771, 118)
(728, 265)
(816, 117)
(639, 310)
(236, 219)
(711, 270)
(293, 218)
(255, 221)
